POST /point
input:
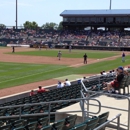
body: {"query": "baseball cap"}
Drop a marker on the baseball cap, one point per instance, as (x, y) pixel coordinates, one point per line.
(120, 67)
(59, 82)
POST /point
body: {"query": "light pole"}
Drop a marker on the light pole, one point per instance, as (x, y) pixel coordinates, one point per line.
(110, 4)
(16, 14)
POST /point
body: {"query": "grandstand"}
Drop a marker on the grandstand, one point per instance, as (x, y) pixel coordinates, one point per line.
(110, 19)
(71, 107)
(92, 40)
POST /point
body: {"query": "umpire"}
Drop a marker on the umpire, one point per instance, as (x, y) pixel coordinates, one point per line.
(13, 49)
(85, 58)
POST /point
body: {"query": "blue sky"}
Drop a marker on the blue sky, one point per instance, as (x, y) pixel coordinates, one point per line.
(43, 11)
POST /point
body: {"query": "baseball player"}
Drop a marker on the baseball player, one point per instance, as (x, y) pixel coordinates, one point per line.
(59, 55)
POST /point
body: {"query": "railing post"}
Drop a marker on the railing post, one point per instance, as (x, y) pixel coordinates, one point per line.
(129, 115)
(49, 113)
(87, 108)
(83, 110)
(99, 79)
(20, 113)
(118, 123)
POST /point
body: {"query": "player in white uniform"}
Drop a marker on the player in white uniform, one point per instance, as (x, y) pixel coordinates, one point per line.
(59, 55)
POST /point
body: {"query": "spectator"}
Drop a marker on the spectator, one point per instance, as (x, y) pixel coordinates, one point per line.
(84, 79)
(115, 84)
(104, 73)
(67, 83)
(41, 90)
(113, 72)
(32, 93)
(60, 85)
(101, 73)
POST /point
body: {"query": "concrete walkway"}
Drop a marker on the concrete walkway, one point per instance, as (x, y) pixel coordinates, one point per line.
(105, 101)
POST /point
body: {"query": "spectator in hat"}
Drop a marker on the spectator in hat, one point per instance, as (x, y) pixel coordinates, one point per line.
(60, 85)
(115, 83)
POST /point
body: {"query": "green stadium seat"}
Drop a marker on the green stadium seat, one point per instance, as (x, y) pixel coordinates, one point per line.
(91, 126)
(74, 117)
(69, 122)
(18, 122)
(49, 127)
(80, 127)
(6, 127)
(19, 128)
(104, 114)
(122, 85)
(128, 83)
(59, 123)
(31, 125)
(102, 119)
(32, 119)
(1, 123)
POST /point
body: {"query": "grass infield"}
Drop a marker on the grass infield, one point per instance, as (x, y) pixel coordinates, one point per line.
(65, 53)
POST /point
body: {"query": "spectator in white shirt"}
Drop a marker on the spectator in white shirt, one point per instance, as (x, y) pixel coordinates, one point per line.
(60, 85)
(104, 73)
(67, 83)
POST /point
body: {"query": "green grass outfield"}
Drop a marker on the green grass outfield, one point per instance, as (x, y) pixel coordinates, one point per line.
(13, 74)
(65, 53)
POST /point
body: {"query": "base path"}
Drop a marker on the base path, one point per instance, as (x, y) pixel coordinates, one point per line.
(36, 59)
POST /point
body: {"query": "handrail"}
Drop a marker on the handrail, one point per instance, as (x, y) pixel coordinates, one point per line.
(93, 100)
(35, 104)
(109, 94)
(107, 122)
(37, 114)
(47, 113)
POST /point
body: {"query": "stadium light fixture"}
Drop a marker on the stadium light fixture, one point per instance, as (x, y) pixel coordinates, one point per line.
(110, 4)
(16, 14)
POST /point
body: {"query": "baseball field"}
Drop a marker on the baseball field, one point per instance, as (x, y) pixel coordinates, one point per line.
(27, 68)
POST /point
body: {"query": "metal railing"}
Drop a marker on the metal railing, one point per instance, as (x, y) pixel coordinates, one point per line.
(107, 122)
(49, 113)
(108, 94)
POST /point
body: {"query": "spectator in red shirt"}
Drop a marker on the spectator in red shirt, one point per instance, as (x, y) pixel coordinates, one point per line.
(41, 90)
(32, 93)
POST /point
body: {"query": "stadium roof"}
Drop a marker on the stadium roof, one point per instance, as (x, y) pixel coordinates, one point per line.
(95, 12)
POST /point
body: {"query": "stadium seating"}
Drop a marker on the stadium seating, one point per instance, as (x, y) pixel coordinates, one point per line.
(66, 93)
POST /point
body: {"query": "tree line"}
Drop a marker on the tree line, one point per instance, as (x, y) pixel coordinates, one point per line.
(34, 25)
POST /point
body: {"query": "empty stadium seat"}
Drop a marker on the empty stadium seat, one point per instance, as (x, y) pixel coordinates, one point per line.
(80, 127)
(49, 127)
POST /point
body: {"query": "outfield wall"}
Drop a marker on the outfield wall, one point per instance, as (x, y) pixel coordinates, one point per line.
(17, 45)
(94, 48)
